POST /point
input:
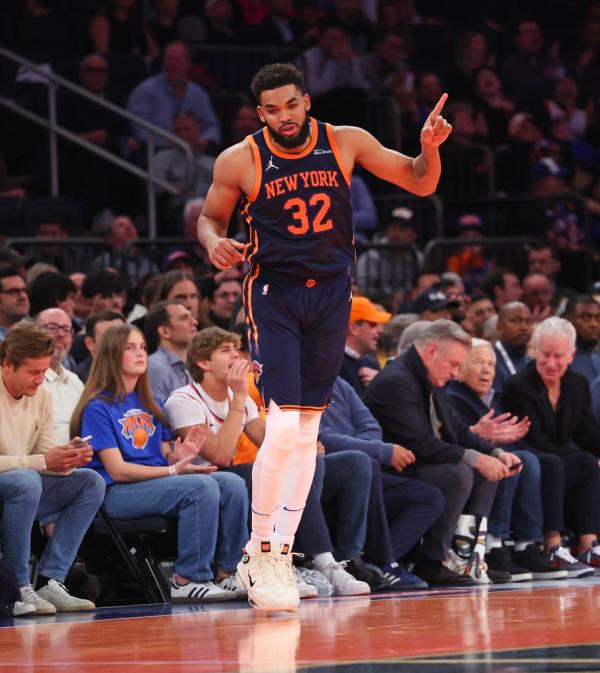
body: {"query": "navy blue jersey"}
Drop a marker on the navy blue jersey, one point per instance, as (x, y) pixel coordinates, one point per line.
(300, 212)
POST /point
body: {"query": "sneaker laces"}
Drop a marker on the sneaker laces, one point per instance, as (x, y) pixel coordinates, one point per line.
(564, 554)
(28, 594)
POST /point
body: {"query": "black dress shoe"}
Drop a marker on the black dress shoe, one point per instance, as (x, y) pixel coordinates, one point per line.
(439, 575)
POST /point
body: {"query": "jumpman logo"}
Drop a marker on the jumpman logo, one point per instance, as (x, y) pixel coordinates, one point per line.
(271, 165)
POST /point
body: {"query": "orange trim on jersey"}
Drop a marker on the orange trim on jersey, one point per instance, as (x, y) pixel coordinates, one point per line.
(253, 235)
(298, 407)
(337, 154)
(248, 301)
(257, 169)
(314, 131)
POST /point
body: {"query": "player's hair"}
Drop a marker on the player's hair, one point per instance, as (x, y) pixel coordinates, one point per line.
(25, 340)
(204, 344)
(273, 76)
(105, 381)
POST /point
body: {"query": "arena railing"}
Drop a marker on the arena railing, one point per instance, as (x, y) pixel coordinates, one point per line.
(53, 83)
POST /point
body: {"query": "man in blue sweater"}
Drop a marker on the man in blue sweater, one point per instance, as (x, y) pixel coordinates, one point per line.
(400, 510)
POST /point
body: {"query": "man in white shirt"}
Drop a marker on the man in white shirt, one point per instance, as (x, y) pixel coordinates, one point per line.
(38, 479)
(65, 387)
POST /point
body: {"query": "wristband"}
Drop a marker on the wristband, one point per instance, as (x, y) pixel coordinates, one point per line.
(172, 470)
(43, 459)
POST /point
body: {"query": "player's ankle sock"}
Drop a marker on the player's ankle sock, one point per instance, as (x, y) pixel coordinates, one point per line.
(41, 581)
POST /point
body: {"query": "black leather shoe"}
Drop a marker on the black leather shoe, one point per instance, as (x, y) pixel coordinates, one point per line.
(442, 576)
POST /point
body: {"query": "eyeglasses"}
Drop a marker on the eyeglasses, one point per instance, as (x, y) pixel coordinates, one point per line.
(53, 328)
(14, 291)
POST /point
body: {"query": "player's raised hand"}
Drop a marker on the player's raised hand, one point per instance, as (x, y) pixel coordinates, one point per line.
(436, 129)
(224, 252)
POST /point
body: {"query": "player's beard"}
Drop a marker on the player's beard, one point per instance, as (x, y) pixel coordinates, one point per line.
(291, 143)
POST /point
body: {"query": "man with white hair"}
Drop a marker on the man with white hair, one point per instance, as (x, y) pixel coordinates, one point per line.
(65, 387)
(558, 404)
(409, 401)
(524, 503)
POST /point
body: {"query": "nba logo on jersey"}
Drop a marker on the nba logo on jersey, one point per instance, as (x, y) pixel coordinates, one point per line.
(265, 289)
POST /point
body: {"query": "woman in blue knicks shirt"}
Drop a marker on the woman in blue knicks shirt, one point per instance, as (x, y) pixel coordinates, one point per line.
(148, 474)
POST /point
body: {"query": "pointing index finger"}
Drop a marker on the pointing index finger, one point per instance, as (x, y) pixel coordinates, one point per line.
(438, 106)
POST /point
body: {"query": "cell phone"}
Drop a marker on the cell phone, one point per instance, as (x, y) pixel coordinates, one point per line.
(514, 467)
(83, 440)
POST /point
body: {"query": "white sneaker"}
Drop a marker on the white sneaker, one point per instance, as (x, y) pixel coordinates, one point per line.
(474, 566)
(232, 583)
(268, 577)
(199, 592)
(42, 607)
(305, 589)
(344, 584)
(57, 595)
(22, 609)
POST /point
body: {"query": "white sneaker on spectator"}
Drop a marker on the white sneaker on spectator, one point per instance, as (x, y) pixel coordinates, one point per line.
(57, 595)
(232, 583)
(473, 567)
(199, 592)
(22, 609)
(344, 584)
(305, 589)
(42, 606)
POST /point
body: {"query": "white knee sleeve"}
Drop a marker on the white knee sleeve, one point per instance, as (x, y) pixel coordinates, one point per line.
(281, 436)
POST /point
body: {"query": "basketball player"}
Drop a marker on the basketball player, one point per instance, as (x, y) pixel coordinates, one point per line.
(293, 177)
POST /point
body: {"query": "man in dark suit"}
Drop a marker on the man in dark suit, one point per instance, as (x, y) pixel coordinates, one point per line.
(558, 404)
(408, 400)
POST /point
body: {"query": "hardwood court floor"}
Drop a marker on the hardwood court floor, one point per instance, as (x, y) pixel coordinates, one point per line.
(531, 627)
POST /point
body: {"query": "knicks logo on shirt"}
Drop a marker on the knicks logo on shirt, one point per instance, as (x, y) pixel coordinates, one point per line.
(137, 426)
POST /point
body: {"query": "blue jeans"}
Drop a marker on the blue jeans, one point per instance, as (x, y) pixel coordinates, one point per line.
(212, 513)
(518, 503)
(26, 496)
(346, 494)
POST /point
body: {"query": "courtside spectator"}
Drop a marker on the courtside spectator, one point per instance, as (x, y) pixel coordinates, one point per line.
(365, 326)
(169, 330)
(524, 504)
(557, 402)
(38, 478)
(14, 301)
(410, 506)
(147, 474)
(64, 386)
